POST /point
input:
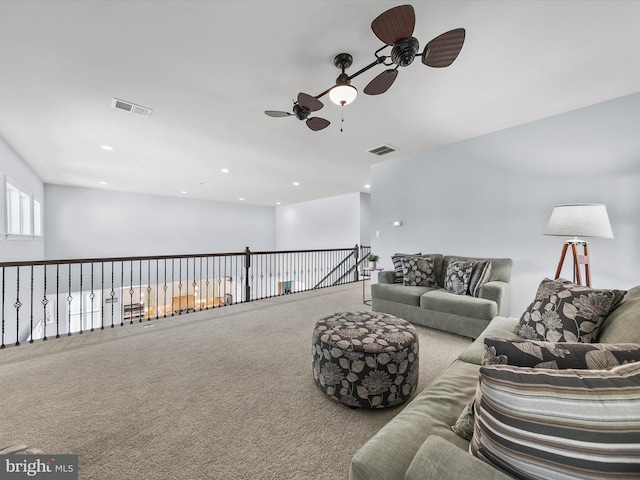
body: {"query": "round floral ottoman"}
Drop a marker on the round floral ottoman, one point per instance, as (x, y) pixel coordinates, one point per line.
(365, 359)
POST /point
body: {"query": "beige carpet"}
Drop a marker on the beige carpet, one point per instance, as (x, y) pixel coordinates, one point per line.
(224, 394)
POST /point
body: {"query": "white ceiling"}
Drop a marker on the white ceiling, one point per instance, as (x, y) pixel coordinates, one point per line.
(209, 69)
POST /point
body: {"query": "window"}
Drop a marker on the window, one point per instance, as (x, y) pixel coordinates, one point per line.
(23, 213)
(37, 219)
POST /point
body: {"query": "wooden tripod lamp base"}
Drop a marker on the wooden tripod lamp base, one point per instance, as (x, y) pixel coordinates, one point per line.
(577, 261)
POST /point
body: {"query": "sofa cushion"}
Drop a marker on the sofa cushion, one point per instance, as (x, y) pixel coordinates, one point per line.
(441, 300)
(399, 293)
(439, 459)
(541, 424)
(388, 454)
(565, 312)
(418, 271)
(458, 275)
(564, 355)
(623, 324)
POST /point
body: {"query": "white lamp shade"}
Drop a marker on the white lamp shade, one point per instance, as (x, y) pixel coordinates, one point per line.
(343, 94)
(579, 220)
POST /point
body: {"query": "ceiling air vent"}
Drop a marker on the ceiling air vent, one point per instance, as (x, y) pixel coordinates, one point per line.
(382, 150)
(131, 107)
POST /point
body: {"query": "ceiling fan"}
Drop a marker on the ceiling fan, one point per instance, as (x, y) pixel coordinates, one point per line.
(302, 108)
(394, 28)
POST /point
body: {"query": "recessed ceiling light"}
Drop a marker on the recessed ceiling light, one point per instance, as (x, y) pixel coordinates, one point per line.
(108, 148)
(183, 192)
(277, 203)
(241, 199)
(296, 184)
(367, 186)
(225, 170)
(102, 183)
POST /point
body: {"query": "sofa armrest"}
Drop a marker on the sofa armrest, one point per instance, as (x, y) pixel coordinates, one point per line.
(499, 292)
(440, 459)
(387, 276)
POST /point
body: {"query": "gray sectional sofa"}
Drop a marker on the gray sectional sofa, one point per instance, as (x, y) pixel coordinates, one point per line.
(418, 443)
(438, 308)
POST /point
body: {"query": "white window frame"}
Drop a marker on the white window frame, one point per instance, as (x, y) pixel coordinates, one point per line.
(26, 220)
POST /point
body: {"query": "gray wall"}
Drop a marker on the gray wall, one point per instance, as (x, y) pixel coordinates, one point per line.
(493, 195)
(24, 178)
(334, 222)
(86, 223)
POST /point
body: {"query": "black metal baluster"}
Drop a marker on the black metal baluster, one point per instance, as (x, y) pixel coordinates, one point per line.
(121, 289)
(140, 294)
(270, 285)
(112, 293)
(164, 305)
(2, 345)
(180, 287)
(69, 300)
(213, 303)
(247, 272)
(221, 277)
(44, 302)
(102, 296)
(81, 300)
(186, 297)
(92, 297)
(31, 306)
(200, 287)
(157, 284)
(131, 292)
(148, 289)
(173, 282)
(17, 306)
(57, 300)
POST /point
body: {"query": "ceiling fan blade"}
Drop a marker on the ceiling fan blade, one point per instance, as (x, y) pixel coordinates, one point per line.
(276, 113)
(444, 49)
(317, 123)
(394, 24)
(310, 103)
(382, 82)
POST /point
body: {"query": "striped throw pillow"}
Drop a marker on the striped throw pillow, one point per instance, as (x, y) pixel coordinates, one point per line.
(569, 424)
(396, 258)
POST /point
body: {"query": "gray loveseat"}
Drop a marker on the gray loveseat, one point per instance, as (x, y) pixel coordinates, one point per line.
(438, 308)
(418, 443)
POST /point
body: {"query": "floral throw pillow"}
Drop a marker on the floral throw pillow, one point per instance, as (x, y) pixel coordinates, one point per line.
(464, 425)
(457, 277)
(565, 312)
(396, 259)
(558, 356)
(418, 270)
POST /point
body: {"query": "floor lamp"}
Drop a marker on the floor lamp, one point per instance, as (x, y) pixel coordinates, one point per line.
(578, 220)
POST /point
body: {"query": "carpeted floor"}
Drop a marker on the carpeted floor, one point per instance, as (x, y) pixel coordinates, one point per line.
(225, 394)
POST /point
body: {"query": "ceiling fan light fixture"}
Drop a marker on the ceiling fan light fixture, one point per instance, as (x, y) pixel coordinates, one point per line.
(343, 93)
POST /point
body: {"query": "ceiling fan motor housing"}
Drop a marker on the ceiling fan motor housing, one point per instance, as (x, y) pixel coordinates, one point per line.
(301, 112)
(404, 51)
